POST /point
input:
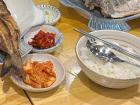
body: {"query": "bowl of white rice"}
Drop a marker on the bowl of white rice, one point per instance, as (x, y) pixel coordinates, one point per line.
(111, 75)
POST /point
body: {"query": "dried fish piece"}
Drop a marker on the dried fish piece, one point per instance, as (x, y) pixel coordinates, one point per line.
(3, 9)
(91, 4)
(116, 8)
(9, 37)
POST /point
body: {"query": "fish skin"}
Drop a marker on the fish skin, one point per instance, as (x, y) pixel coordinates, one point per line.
(91, 4)
(9, 40)
(117, 8)
(3, 9)
(7, 64)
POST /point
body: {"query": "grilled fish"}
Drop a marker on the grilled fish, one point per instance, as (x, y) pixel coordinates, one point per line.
(9, 37)
(91, 4)
(115, 8)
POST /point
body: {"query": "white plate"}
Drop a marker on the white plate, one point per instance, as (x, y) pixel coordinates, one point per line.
(59, 37)
(25, 13)
(96, 20)
(58, 67)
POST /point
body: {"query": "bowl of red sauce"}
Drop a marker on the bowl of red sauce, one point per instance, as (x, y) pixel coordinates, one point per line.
(44, 39)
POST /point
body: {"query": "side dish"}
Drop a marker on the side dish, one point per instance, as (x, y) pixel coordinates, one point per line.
(43, 40)
(39, 74)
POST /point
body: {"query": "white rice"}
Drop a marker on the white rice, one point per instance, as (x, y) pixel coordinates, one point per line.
(113, 70)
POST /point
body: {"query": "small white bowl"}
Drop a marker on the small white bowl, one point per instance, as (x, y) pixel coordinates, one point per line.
(59, 37)
(52, 14)
(58, 67)
(124, 39)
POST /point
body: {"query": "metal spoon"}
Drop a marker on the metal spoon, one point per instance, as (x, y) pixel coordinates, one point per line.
(110, 45)
(103, 52)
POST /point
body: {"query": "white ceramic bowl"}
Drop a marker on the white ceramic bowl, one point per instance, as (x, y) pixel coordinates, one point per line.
(58, 67)
(25, 13)
(124, 39)
(52, 14)
(59, 37)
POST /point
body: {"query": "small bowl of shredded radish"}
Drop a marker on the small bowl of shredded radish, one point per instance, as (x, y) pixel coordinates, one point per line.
(42, 72)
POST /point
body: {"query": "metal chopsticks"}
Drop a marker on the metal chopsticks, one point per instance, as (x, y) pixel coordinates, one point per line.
(28, 97)
(111, 45)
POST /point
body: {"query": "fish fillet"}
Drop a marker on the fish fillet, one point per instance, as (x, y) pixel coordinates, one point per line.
(115, 8)
(9, 41)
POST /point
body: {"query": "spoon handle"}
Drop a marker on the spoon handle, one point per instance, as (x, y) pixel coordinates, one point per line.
(111, 45)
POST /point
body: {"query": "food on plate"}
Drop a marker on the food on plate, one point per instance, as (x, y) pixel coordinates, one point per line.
(9, 35)
(43, 40)
(91, 4)
(39, 74)
(115, 8)
(113, 70)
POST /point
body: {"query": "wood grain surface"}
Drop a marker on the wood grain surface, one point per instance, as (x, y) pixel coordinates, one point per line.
(77, 89)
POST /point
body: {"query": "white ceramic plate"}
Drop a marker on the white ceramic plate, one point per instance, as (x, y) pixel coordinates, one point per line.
(25, 13)
(52, 14)
(96, 20)
(58, 67)
(59, 37)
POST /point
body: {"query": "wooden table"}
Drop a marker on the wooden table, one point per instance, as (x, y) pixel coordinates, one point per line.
(77, 89)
